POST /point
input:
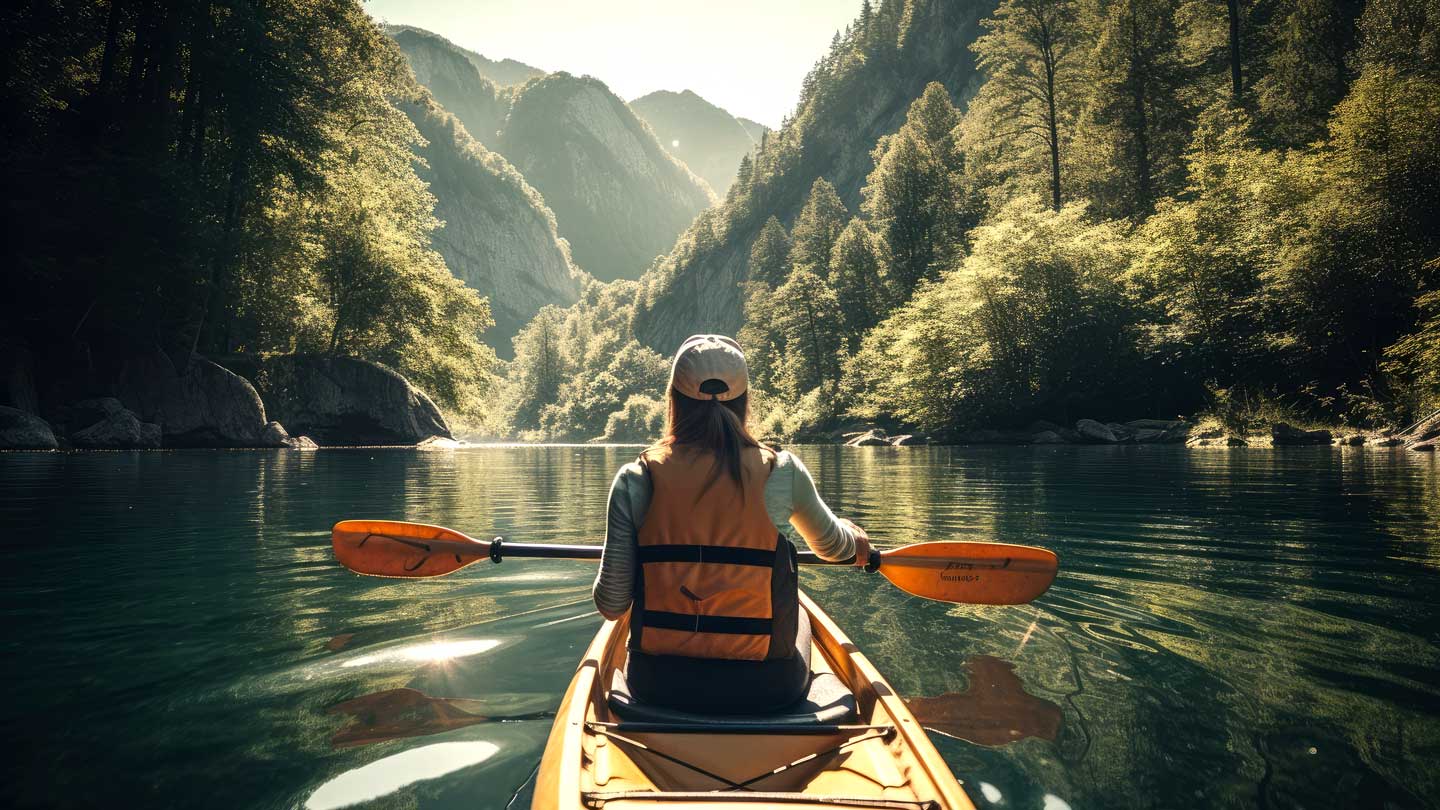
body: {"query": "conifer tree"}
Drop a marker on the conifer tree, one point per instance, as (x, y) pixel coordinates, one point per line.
(807, 318)
(859, 289)
(912, 198)
(1307, 68)
(1135, 108)
(817, 227)
(1031, 55)
(769, 254)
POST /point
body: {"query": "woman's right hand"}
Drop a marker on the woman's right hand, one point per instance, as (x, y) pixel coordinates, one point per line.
(862, 542)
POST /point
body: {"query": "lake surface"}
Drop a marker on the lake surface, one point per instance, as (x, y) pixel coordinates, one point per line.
(1231, 628)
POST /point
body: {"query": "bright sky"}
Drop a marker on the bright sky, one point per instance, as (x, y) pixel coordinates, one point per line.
(747, 56)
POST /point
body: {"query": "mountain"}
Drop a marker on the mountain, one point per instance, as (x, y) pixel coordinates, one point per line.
(706, 138)
(499, 237)
(856, 94)
(619, 198)
(454, 81)
(503, 73)
(754, 129)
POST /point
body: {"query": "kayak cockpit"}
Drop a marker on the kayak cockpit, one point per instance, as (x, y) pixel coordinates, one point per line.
(851, 743)
(827, 702)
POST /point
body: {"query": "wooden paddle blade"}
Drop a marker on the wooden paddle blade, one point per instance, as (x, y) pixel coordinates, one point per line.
(390, 548)
(971, 573)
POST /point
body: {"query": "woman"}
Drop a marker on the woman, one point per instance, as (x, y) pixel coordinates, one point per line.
(694, 550)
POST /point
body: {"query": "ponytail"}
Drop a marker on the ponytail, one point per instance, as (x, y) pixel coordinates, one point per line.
(714, 426)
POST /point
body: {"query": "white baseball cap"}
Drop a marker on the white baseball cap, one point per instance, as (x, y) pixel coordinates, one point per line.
(710, 367)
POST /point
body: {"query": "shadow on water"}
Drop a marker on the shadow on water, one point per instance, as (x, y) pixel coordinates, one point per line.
(1247, 628)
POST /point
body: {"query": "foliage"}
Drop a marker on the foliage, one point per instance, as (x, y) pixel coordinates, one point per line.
(228, 178)
(1033, 322)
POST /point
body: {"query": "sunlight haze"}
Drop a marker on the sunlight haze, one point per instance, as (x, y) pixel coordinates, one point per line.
(746, 56)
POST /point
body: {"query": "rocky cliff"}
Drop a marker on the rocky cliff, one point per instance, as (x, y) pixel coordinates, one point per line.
(860, 97)
(618, 197)
(499, 237)
(704, 137)
(455, 83)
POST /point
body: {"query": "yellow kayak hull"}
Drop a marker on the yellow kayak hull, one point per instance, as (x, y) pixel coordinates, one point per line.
(880, 759)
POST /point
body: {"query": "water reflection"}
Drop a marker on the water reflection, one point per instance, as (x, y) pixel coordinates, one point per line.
(398, 771)
(994, 710)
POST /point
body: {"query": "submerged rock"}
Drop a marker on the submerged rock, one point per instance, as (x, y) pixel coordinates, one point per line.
(438, 443)
(870, 438)
(1424, 447)
(1046, 437)
(1285, 434)
(20, 430)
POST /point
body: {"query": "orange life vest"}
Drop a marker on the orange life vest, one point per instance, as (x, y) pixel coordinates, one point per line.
(716, 578)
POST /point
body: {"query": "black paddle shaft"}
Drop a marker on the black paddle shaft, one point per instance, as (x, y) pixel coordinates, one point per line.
(499, 550)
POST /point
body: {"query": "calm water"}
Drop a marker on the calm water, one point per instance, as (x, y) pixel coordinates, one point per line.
(1248, 628)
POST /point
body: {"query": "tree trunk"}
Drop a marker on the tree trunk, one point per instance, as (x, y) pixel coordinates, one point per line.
(1054, 127)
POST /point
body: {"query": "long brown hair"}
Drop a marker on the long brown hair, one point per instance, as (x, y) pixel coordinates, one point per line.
(717, 427)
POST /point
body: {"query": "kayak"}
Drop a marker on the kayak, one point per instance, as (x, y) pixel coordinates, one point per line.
(851, 743)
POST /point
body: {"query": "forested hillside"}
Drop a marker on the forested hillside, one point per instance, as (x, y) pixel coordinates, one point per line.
(704, 137)
(223, 178)
(619, 198)
(1148, 207)
(857, 93)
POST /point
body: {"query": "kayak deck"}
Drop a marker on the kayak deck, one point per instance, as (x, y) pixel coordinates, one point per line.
(879, 757)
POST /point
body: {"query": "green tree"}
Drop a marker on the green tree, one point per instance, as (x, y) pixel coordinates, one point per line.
(1032, 324)
(912, 198)
(540, 368)
(1136, 118)
(859, 285)
(816, 228)
(769, 254)
(1307, 69)
(808, 318)
(1031, 56)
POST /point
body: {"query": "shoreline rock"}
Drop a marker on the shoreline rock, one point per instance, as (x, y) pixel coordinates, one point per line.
(342, 400)
(21, 430)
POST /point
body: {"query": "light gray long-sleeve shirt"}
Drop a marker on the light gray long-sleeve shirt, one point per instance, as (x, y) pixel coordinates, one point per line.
(790, 498)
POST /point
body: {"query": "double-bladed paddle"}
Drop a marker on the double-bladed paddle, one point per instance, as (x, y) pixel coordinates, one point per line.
(948, 571)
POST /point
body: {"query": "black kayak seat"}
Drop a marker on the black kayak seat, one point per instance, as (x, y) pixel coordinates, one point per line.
(828, 702)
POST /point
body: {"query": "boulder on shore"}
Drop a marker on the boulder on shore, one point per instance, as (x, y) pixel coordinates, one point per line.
(117, 429)
(1046, 437)
(199, 405)
(1285, 434)
(1095, 433)
(1154, 424)
(345, 401)
(20, 430)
